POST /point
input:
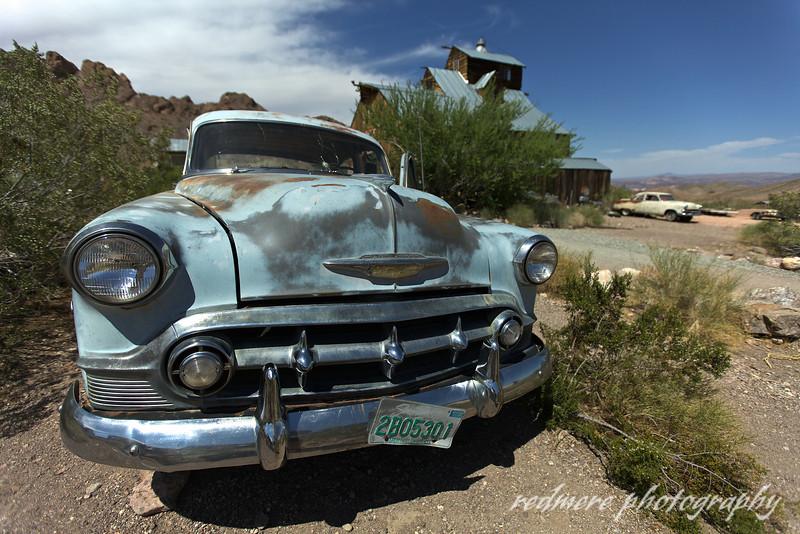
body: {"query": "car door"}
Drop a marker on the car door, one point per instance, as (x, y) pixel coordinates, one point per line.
(651, 205)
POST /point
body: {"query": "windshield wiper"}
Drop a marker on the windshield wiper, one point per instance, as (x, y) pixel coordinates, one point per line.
(238, 170)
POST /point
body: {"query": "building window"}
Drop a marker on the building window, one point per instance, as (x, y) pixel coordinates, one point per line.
(457, 64)
(507, 74)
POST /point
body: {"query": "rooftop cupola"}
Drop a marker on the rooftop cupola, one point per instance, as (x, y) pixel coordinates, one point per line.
(480, 46)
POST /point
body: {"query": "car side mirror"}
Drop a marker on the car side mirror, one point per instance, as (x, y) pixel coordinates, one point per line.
(408, 171)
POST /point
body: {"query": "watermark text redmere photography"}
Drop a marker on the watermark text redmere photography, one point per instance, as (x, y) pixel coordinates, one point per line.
(761, 503)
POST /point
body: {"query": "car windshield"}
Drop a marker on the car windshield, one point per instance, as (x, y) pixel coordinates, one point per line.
(667, 197)
(244, 146)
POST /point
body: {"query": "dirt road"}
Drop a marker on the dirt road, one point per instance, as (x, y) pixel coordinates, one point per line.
(626, 242)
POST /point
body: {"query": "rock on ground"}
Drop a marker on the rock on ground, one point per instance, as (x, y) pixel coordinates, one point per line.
(791, 263)
(773, 320)
(782, 296)
(156, 492)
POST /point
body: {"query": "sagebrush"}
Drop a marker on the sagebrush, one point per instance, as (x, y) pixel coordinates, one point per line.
(63, 160)
(639, 389)
(702, 296)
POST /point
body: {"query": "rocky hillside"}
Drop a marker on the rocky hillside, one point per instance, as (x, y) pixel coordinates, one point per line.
(173, 113)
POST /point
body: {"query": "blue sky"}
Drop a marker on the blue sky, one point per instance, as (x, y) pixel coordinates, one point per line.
(651, 87)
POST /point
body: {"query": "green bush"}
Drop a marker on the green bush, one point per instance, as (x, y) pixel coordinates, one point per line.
(593, 216)
(522, 215)
(639, 390)
(787, 204)
(704, 298)
(472, 158)
(62, 161)
(781, 238)
(554, 215)
(616, 193)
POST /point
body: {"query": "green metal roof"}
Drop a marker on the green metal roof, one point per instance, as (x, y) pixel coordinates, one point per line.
(454, 86)
(490, 56)
(484, 80)
(580, 164)
(532, 115)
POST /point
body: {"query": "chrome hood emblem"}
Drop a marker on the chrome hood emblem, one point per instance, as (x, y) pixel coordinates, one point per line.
(385, 269)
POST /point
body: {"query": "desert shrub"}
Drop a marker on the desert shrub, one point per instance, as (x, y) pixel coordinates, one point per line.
(592, 215)
(554, 215)
(639, 391)
(781, 238)
(62, 161)
(787, 204)
(615, 193)
(522, 215)
(704, 298)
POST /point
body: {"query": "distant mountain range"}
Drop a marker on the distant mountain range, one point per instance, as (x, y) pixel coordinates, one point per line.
(752, 179)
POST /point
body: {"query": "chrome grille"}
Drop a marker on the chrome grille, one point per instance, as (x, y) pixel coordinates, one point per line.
(107, 393)
(349, 358)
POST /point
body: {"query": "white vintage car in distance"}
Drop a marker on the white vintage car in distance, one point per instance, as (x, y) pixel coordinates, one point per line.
(655, 204)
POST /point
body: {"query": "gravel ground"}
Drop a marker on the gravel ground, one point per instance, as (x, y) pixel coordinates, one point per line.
(764, 392)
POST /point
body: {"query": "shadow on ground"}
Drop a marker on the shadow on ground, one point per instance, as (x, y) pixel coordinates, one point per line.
(335, 488)
(37, 363)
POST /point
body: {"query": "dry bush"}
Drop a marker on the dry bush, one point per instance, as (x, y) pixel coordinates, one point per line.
(639, 390)
(703, 296)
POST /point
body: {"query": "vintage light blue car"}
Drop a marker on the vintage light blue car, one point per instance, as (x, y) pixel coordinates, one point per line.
(291, 298)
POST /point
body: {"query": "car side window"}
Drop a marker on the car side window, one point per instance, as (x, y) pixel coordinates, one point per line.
(652, 197)
(638, 198)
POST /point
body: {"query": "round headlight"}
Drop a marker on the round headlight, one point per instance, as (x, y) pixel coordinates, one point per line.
(201, 370)
(117, 268)
(536, 260)
(510, 333)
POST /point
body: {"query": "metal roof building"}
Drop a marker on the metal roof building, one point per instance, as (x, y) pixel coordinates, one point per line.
(467, 76)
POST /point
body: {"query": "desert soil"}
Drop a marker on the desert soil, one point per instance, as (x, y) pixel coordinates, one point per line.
(470, 487)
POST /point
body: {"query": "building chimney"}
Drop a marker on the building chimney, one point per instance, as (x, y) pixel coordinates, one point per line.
(480, 46)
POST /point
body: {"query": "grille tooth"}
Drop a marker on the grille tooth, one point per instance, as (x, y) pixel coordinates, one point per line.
(106, 393)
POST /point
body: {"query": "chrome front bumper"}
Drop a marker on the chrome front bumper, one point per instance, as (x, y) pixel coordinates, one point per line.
(272, 435)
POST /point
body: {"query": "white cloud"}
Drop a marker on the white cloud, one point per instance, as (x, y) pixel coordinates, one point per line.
(277, 51)
(729, 156)
(425, 50)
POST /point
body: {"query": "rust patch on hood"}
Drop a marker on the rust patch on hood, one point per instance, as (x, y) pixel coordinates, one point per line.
(220, 192)
(440, 220)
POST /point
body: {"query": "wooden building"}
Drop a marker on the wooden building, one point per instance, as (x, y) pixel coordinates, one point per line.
(467, 75)
(581, 180)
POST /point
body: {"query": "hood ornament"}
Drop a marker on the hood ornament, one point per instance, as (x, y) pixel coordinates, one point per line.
(385, 269)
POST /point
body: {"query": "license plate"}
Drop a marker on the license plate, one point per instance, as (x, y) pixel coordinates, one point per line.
(402, 422)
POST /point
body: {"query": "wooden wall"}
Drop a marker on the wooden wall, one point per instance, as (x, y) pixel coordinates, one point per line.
(570, 184)
(473, 68)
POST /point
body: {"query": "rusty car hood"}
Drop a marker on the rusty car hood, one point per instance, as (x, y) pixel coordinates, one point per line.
(298, 234)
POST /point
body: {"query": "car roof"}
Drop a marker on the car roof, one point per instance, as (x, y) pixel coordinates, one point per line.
(272, 116)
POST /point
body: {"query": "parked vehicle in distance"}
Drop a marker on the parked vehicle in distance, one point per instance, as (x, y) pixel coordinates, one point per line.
(766, 213)
(289, 299)
(656, 204)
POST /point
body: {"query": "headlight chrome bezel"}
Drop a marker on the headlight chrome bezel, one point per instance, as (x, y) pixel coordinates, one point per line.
(524, 252)
(164, 260)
